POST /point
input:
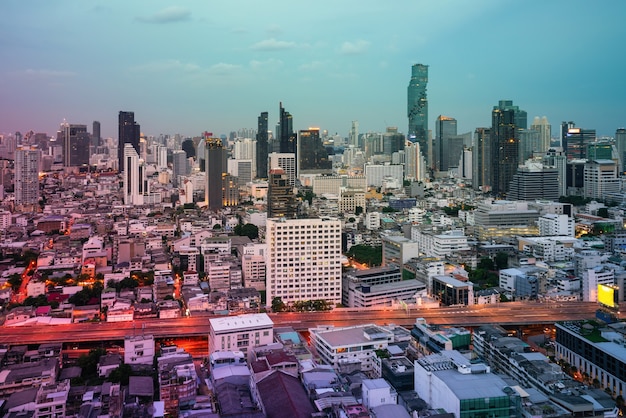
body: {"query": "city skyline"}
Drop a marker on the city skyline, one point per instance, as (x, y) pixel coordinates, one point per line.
(185, 69)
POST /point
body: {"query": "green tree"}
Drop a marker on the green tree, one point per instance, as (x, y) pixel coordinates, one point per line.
(278, 305)
(121, 374)
(358, 210)
(372, 256)
(15, 281)
(502, 260)
(486, 263)
(89, 362)
(248, 230)
(388, 209)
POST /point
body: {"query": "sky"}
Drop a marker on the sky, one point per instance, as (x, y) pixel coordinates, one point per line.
(197, 65)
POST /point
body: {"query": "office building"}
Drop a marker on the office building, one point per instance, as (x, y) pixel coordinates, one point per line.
(262, 145)
(95, 134)
(287, 162)
(379, 286)
(600, 179)
(481, 160)
(353, 137)
(575, 140)
(445, 128)
(448, 380)
(312, 154)
(600, 150)
(557, 159)
(303, 259)
(76, 143)
(287, 138)
(544, 128)
(417, 111)
(620, 145)
(27, 162)
(598, 353)
(552, 224)
(534, 181)
(398, 250)
(215, 157)
(128, 133)
(240, 333)
(281, 200)
(393, 141)
(506, 120)
(376, 174)
(529, 144)
(429, 339)
(180, 167)
(415, 165)
(350, 348)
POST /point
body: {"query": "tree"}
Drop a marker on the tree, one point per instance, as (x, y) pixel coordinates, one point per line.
(351, 220)
(502, 260)
(15, 281)
(121, 374)
(248, 230)
(372, 256)
(358, 210)
(89, 362)
(278, 305)
(486, 263)
(388, 209)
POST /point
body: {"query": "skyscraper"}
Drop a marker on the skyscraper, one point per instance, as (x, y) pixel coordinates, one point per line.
(620, 145)
(575, 140)
(544, 128)
(262, 144)
(180, 167)
(417, 110)
(393, 141)
(445, 128)
(287, 137)
(312, 154)
(135, 179)
(481, 156)
(76, 143)
(128, 133)
(27, 176)
(281, 202)
(354, 134)
(506, 119)
(215, 170)
(95, 134)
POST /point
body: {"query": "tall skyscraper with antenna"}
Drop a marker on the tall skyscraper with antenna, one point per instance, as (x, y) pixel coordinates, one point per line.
(417, 110)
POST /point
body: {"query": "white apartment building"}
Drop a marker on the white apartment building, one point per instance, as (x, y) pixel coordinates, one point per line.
(551, 225)
(601, 179)
(439, 245)
(591, 278)
(398, 249)
(240, 333)
(375, 174)
(303, 259)
(349, 200)
(350, 348)
(139, 349)
(334, 184)
(253, 268)
(286, 161)
(372, 220)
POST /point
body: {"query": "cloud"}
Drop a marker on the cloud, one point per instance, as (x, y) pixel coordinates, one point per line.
(168, 15)
(223, 68)
(313, 66)
(270, 64)
(274, 30)
(354, 48)
(272, 45)
(166, 65)
(45, 73)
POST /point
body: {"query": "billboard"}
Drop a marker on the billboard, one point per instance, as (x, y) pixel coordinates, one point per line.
(607, 296)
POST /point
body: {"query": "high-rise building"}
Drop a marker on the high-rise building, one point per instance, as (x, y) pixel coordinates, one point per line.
(393, 141)
(556, 159)
(262, 144)
(534, 181)
(620, 145)
(445, 128)
(312, 154)
(76, 142)
(215, 170)
(95, 134)
(281, 201)
(287, 137)
(417, 110)
(544, 128)
(180, 167)
(286, 161)
(506, 119)
(481, 164)
(128, 133)
(297, 272)
(529, 144)
(575, 140)
(135, 179)
(600, 179)
(354, 134)
(27, 161)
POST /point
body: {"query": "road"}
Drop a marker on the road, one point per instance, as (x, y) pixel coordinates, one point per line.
(514, 313)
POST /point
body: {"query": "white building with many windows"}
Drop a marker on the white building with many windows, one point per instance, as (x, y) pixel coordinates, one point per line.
(303, 259)
(239, 333)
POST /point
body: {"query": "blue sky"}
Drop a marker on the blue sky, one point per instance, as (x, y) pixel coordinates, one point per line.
(190, 66)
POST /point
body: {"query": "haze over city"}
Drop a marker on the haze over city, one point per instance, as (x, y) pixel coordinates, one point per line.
(214, 66)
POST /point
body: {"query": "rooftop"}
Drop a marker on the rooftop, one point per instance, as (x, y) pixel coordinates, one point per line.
(234, 323)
